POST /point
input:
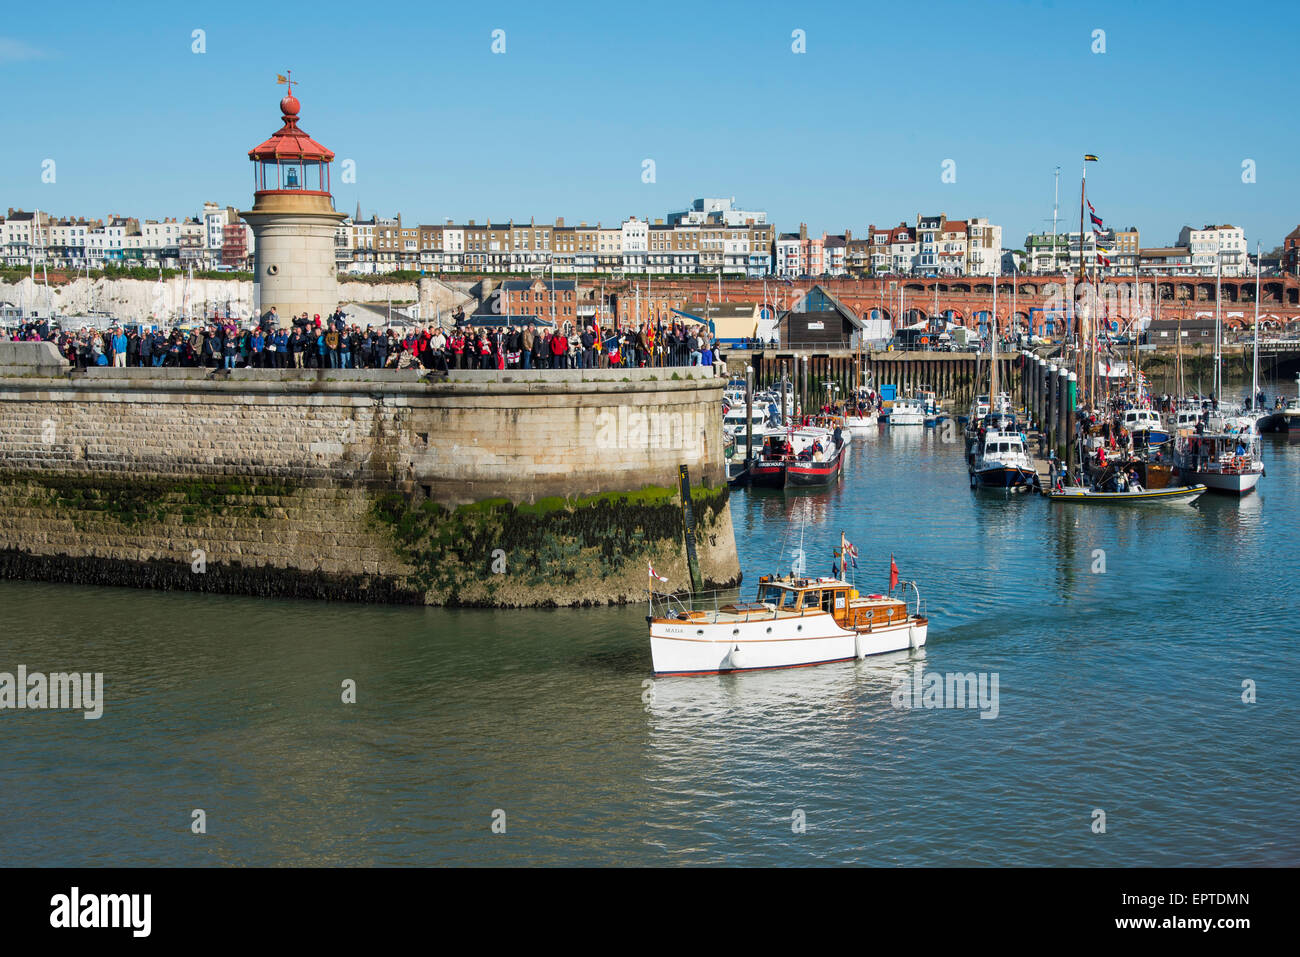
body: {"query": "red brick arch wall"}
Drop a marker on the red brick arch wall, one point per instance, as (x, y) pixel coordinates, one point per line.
(1280, 296)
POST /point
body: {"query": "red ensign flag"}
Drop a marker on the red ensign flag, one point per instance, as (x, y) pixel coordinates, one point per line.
(893, 574)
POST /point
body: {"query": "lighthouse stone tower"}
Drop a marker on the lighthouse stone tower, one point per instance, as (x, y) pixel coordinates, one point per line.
(293, 221)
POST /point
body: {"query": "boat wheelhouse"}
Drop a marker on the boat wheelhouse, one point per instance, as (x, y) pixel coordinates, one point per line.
(1003, 462)
(1146, 421)
(907, 412)
(735, 424)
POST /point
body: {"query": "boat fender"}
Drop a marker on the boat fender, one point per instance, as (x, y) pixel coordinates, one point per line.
(736, 658)
(913, 635)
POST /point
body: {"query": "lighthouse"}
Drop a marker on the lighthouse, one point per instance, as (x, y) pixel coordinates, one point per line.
(293, 221)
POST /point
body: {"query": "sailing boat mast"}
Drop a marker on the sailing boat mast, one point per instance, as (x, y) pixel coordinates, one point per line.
(1080, 329)
(1218, 335)
(993, 352)
(1254, 369)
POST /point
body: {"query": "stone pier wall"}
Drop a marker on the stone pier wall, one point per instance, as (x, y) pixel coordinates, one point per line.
(491, 489)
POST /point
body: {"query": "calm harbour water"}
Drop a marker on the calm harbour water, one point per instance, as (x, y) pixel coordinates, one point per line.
(1119, 691)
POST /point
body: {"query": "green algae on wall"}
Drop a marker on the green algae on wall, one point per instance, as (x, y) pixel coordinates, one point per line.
(495, 552)
(133, 501)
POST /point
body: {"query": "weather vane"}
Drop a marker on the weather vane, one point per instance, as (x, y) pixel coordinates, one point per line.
(286, 77)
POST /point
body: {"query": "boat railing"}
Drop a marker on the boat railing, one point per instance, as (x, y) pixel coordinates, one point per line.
(916, 597)
(676, 604)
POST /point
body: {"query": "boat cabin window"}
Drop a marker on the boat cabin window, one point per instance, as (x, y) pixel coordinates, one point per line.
(811, 599)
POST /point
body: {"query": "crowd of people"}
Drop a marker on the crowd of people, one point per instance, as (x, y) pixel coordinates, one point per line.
(336, 342)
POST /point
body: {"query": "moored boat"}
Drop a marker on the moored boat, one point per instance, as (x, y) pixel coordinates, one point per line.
(907, 412)
(805, 456)
(1077, 495)
(1226, 461)
(1285, 420)
(1003, 463)
(1146, 423)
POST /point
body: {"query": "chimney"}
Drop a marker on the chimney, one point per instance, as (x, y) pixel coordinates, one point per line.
(848, 235)
(559, 222)
(803, 230)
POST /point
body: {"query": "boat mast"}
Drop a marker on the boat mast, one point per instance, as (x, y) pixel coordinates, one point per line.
(1056, 206)
(31, 259)
(1218, 335)
(1182, 386)
(993, 353)
(45, 271)
(1254, 371)
(1080, 326)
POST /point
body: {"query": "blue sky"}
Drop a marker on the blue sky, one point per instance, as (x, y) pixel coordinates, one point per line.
(854, 131)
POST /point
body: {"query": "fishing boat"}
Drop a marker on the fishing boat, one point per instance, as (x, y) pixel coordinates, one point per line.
(799, 457)
(1186, 416)
(792, 622)
(1228, 460)
(1285, 420)
(860, 417)
(976, 429)
(1003, 463)
(736, 424)
(1146, 422)
(1087, 496)
(907, 412)
(862, 423)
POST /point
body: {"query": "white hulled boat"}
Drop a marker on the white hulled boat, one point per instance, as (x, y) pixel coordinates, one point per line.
(735, 424)
(792, 622)
(862, 419)
(1003, 463)
(1147, 421)
(1227, 459)
(907, 412)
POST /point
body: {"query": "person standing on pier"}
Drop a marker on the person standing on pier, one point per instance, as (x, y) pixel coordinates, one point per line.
(526, 340)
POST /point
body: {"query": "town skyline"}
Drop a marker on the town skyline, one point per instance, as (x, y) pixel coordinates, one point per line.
(562, 120)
